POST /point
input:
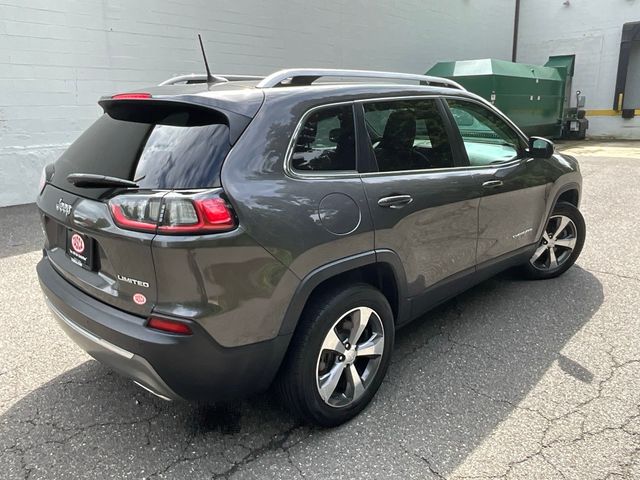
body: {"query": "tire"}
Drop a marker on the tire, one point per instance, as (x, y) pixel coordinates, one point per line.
(541, 265)
(311, 368)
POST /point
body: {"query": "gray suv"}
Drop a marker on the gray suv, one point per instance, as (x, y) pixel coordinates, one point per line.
(213, 236)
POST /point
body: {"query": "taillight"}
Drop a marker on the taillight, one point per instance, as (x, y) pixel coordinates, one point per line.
(196, 215)
(173, 213)
(43, 180)
(136, 212)
(45, 176)
(169, 326)
(131, 96)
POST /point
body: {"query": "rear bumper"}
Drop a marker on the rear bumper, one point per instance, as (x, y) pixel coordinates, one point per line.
(173, 367)
(121, 360)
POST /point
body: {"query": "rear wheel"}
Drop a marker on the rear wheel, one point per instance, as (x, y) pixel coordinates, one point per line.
(560, 245)
(339, 355)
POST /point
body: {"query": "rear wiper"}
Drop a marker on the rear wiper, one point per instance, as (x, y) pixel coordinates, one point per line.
(90, 180)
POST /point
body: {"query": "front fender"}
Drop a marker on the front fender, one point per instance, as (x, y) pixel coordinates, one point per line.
(570, 180)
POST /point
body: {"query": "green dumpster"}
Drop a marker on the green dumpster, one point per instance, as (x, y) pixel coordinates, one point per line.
(535, 97)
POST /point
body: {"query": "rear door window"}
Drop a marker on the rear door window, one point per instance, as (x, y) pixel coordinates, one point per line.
(408, 135)
(175, 150)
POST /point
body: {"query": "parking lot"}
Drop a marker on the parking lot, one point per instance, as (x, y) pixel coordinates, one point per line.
(513, 379)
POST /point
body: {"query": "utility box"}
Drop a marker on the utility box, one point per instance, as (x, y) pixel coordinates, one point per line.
(537, 98)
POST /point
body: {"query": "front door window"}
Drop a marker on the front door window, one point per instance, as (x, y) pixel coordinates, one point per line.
(487, 138)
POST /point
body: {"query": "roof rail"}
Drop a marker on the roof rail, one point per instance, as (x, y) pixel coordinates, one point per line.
(202, 78)
(306, 76)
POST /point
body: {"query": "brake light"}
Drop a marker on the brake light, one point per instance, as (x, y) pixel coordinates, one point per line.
(173, 213)
(169, 326)
(183, 215)
(131, 96)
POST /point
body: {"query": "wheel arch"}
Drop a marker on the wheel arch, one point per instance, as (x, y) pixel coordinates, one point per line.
(569, 192)
(381, 269)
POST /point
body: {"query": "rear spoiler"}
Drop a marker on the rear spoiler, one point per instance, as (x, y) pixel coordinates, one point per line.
(144, 108)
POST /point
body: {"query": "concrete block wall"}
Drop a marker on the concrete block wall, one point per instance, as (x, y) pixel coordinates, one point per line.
(57, 57)
(590, 29)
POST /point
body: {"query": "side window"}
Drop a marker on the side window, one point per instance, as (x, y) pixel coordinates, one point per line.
(326, 141)
(487, 138)
(407, 135)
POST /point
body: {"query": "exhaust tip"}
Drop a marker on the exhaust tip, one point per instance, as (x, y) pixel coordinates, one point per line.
(152, 391)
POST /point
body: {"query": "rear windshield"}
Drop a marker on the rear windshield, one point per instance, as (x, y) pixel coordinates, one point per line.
(175, 151)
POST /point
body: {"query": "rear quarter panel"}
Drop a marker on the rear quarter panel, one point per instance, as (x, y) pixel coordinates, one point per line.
(281, 212)
(227, 282)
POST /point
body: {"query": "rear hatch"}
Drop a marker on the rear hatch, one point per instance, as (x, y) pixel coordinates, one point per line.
(162, 145)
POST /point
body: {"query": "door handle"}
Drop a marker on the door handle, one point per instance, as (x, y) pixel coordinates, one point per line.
(395, 201)
(493, 184)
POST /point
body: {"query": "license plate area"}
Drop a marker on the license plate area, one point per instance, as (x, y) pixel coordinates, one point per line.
(80, 249)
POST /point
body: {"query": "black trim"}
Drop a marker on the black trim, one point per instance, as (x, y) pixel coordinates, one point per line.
(392, 259)
(461, 281)
(366, 160)
(460, 157)
(564, 189)
(498, 264)
(356, 146)
(313, 279)
(630, 35)
(344, 265)
(441, 292)
(408, 308)
(371, 163)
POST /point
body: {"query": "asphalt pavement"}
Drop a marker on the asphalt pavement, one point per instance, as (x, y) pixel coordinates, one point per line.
(512, 379)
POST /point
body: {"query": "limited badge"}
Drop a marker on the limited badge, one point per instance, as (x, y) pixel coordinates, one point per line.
(77, 243)
(139, 298)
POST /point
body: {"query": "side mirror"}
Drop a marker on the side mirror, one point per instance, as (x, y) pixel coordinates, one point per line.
(540, 147)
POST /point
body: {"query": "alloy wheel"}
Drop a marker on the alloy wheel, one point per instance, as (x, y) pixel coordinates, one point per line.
(557, 243)
(349, 357)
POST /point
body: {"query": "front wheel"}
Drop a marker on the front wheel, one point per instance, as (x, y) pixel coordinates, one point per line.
(339, 355)
(560, 245)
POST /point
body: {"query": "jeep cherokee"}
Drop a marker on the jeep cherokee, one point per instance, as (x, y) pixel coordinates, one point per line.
(210, 238)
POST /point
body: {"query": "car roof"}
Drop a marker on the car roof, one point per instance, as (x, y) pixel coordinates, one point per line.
(245, 97)
(324, 92)
(302, 84)
(345, 91)
(245, 94)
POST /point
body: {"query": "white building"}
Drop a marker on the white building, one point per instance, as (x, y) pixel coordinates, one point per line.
(57, 57)
(592, 30)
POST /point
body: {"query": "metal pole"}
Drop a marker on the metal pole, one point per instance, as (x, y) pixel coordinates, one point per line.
(516, 23)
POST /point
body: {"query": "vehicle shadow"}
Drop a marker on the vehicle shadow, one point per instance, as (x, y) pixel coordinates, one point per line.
(456, 375)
